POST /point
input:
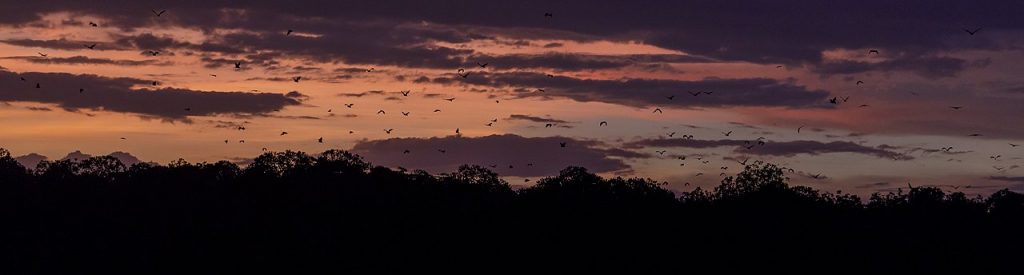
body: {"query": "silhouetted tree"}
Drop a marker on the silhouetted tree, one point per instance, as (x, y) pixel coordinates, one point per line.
(280, 164)
(10, 169)
(1006, 205)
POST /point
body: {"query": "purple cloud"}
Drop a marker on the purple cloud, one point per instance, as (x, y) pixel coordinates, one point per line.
(527, 156)
(82, 60)
(772, 148)
(74, 92)
(652, 92)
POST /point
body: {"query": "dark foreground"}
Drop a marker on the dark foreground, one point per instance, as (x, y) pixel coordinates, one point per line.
(291, 213)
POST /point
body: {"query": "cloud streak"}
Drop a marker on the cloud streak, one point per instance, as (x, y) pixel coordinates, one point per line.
(771, 148)
(74, 92)
(83, 60)
(652, 92)
(535, 119)
(929, 67)
(526, 155)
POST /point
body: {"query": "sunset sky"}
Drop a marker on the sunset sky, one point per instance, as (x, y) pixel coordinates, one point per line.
(734, 81)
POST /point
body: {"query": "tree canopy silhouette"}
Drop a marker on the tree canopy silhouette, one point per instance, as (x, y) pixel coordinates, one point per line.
(292, 212)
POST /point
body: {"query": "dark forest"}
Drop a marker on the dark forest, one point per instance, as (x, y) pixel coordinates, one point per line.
(291, 212)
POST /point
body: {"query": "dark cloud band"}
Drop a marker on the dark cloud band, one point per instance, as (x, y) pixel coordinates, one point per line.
(527, 156)
(74, 92)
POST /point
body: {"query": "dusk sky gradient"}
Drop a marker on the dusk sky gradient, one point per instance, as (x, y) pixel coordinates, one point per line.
(757, 70)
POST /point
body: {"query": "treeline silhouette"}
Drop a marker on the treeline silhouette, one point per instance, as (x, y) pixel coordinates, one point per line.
(291, 212)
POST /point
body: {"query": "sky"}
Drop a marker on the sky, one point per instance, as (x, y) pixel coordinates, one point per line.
(853, 96)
